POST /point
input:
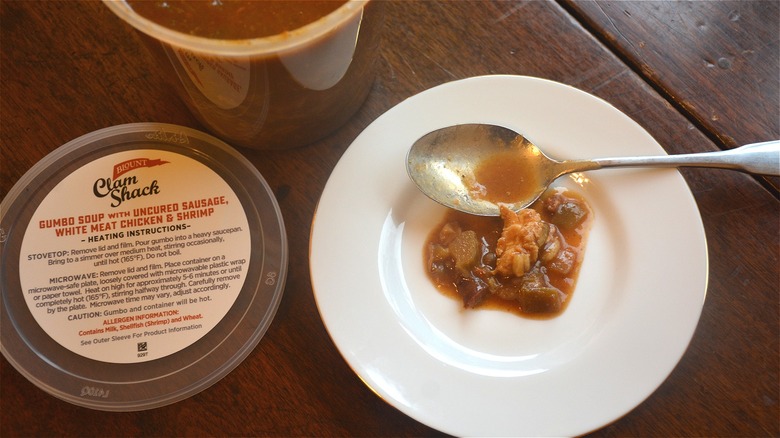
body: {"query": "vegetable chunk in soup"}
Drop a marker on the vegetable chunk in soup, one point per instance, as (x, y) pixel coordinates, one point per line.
(234, 19)
(525, 262)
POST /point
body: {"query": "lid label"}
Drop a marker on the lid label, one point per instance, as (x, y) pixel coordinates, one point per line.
(137, 266)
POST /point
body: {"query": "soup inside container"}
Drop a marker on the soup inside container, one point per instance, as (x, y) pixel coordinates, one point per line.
(272, 92)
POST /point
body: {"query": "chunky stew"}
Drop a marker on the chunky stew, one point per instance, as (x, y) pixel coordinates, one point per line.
(524, 262)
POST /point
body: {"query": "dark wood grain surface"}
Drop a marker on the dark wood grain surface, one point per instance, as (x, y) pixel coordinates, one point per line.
(70, 67)
(716, 62)
(713, 60)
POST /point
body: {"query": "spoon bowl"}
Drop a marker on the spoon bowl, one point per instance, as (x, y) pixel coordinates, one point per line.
(444, 165)
(474, 167)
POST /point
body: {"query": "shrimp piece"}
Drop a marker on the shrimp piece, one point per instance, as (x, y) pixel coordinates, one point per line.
(518, 247)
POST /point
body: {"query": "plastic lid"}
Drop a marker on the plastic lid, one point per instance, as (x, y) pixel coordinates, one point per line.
(139, 265)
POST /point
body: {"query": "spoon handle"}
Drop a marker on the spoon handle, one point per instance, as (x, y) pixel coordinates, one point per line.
(761, 158)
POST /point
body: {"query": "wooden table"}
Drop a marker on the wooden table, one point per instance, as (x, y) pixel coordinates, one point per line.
(698, 76)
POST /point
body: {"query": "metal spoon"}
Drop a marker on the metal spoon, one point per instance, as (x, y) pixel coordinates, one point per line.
(443, 163)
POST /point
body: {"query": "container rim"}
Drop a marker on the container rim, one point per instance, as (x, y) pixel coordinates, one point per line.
(242, 47)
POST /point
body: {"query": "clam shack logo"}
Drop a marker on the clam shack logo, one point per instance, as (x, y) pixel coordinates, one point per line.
(121, 187)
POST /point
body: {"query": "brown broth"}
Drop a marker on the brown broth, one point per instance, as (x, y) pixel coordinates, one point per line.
(505, 177)
(234, 19)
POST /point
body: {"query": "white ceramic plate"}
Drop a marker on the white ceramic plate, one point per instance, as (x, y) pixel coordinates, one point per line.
(486, 373)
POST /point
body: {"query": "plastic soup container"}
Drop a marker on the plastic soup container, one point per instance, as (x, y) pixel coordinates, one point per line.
(272, 92)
